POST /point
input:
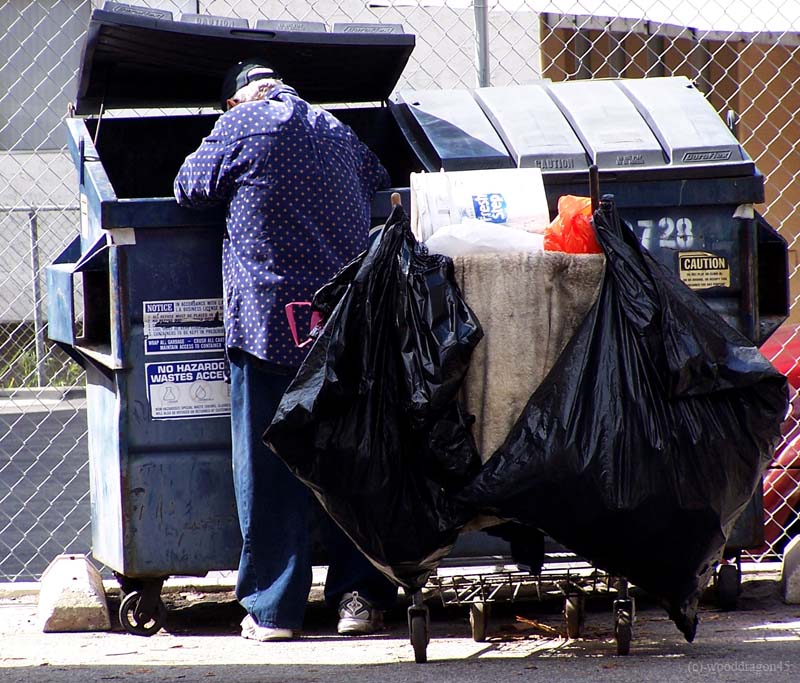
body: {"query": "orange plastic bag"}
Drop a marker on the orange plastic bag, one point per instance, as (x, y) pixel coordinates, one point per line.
(571, 230)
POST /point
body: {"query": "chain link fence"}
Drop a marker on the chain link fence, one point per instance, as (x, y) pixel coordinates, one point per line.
(742, 56)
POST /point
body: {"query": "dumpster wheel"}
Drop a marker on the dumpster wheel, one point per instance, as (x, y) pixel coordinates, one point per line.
(138, 622)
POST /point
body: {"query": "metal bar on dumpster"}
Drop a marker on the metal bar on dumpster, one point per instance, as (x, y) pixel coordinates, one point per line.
(749, 278)
(99, 121)
(81, 160)
(594, 186)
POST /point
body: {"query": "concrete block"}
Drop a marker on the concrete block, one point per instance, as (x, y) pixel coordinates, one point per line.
(790, 572)
(71, 596)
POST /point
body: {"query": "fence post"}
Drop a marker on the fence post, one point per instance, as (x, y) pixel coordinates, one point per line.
(482, 42)
(33, 225)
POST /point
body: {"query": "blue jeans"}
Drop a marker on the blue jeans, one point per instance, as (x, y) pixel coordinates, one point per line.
(274, 508)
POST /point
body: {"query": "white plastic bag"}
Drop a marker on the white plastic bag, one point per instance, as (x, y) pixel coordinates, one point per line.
(474, 236)
(512, 197)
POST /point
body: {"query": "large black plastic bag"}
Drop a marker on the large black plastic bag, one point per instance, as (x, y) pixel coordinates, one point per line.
(371, 423)
(647, 437)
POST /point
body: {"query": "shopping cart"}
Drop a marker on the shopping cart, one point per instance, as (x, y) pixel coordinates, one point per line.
(480, 570)
(480, 581)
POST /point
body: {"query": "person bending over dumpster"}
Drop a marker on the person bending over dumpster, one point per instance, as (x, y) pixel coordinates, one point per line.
(298, 185)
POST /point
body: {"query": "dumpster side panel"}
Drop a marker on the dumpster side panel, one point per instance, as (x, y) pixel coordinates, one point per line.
(105, 468)
(692, 228)
(95, 190)
(179, 510)
(710, 252)
(180, 516)
(748, 532)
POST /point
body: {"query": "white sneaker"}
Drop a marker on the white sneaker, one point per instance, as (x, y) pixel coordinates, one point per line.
(252, 631)
(357, 616)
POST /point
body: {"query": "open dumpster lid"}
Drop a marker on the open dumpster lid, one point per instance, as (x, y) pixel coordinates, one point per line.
(133, 58)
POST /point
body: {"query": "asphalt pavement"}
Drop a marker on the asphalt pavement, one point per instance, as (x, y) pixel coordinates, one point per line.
(44, 480)
(759, 641)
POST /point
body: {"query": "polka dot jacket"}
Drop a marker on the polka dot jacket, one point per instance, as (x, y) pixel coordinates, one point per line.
(299, 185)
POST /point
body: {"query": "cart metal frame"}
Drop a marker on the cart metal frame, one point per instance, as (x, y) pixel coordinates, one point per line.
(481, 582)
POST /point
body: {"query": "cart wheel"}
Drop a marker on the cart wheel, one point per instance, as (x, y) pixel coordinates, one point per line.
(478, 620)
(728, 585)
(574, 609)
(137, 623)
(419, 637)
(623, 631)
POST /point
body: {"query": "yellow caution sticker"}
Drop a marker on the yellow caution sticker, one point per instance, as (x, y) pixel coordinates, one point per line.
(702, 269)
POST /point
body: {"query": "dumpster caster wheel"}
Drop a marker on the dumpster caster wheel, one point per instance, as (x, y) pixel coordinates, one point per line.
(623, 631)
(574, 610)
(478, 620)
(138, 623)
(728, 584)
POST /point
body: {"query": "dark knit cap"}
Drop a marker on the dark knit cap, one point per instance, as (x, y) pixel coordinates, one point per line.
(241, 74)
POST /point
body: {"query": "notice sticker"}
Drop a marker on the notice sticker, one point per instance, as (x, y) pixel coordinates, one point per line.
(183, 390)
(702, 269)
(183, 326)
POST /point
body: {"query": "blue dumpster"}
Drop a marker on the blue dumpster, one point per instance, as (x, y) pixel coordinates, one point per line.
(136, 298)
(679, 176)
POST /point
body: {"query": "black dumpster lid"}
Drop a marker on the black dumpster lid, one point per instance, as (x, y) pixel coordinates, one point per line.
(133, 58)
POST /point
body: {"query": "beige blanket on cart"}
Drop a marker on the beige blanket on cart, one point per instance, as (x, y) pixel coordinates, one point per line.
(530, 305)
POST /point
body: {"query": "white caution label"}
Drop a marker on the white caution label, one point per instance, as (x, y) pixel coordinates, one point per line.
(183, 326)
(702, 269)
(183, 390)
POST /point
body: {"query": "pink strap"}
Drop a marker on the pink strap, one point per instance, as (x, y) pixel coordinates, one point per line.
(316, 318)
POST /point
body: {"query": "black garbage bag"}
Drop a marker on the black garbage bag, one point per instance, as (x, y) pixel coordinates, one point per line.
(648, 436)
(371, 422)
